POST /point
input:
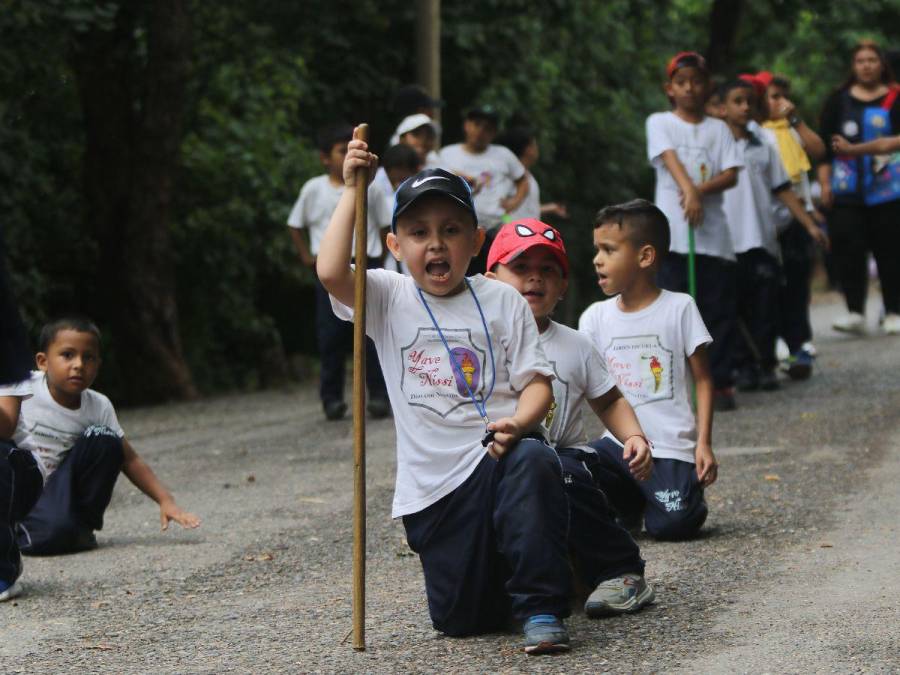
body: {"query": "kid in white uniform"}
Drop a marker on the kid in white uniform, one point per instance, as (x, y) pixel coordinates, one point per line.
(530, 256)
(650, 339)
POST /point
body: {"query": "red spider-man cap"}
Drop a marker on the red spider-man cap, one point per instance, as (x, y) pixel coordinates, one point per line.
(516, 237)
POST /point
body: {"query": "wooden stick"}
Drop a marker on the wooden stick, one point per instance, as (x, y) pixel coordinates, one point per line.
(359, 404)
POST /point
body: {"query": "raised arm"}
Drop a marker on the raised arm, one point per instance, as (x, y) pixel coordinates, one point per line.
(333, 262)
(140, 473)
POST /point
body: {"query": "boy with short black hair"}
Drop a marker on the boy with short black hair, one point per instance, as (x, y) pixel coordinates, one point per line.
(74, 434)
(696, 160)
(751, 219)
(498, 179)
(482, 499)
(530, 256)
(650, 339)
(311, 212)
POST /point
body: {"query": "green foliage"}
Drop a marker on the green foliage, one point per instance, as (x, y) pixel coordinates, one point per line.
(266, 75)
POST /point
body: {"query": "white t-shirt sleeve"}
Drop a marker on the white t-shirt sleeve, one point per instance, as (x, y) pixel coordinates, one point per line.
(21, 389)
(299, 217)
(587, 324)
(729, 154)
(599, 380)
(380, 286)
(693, 329)
(525, 356)
(658, 139)
(107, 415)
(515, 168)
(778, 177)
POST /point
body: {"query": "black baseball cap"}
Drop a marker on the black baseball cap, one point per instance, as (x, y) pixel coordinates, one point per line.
(484, 112)
(412, 98)
(432, 181)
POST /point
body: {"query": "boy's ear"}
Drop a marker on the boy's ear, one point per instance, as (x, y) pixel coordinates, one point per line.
(480, 235)
(667, 87)
(41, 360)
(324, 158)
(393, 245)
(646, 256)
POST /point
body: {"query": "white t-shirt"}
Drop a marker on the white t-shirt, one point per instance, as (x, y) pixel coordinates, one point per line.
(496, 170)
(48, 429)
(646, 352)
(748, 205)
(706, 150)
(802, 187)
(388, 193)
(439, 431)
(317, 201)
(579, 374)
(531, 205)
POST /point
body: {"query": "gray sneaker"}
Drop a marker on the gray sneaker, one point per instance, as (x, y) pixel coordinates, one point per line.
(621, 595)
(545, 634)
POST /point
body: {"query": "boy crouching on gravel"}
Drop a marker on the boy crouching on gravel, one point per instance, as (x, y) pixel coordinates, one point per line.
(73, 433)
(650, 339)
(481, 498)
(530, 256)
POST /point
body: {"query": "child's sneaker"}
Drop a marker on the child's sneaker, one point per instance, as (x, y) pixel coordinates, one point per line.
(545, 634)
(800, 364)
(334, 410)
(8, 591)
(621, 595)
(891, 324)
(853, 322)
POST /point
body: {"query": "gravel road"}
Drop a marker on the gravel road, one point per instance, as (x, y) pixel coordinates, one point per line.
(798, 570)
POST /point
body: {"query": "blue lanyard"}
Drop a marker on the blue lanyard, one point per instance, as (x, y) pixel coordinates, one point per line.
(481, 406)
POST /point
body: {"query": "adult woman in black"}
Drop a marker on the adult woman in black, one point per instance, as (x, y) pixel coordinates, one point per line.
(863, 193)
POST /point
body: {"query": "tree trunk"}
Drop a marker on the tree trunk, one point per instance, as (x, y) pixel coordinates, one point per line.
(724, 18)
(133, 121)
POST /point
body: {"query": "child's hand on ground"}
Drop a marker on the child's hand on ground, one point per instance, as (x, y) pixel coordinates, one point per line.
(707, 466)
(171, 511)
(640, 459)
(839, 144)
(692, 203)
(358, 157)
(507, 434)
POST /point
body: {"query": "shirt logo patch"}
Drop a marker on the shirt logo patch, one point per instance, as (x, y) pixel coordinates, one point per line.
(642, 367)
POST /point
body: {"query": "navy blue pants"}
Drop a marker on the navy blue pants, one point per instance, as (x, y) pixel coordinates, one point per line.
(794, 293)
(671, 500)
(335, 341)
(759, 287)
(497, 546)
(75, 496)
(20, 487)
(717, 302)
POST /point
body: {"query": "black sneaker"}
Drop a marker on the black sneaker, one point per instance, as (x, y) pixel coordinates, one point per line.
(747, 380)
(768, 381)
(335, 410)
(85, 540)
(379, 407)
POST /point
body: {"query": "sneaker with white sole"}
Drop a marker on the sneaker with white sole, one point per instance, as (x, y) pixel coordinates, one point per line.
(545, 634)
(891, 324)
(8, 591)
(853, 322)
(621, 595)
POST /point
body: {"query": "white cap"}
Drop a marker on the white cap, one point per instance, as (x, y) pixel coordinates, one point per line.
(413, 122)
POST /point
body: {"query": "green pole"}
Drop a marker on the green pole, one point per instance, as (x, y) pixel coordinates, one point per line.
(692, 269)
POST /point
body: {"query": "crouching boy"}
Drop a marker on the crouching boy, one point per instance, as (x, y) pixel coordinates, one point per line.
(650, 339)
(482, 500)
(530, 256)
(73, 432)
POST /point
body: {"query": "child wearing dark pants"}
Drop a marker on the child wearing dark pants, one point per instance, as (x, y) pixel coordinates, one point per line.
(20, 486)
(75, 497)
(670, 502)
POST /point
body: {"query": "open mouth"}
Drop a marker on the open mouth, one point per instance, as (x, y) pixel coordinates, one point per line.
(602, 279)
(439, 270)
(533, 294)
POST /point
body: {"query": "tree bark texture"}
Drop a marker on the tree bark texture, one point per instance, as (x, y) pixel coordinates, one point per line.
(724, 18)
(132, 96)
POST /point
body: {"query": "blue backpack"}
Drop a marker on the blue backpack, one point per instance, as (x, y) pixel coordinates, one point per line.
(880, 175)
